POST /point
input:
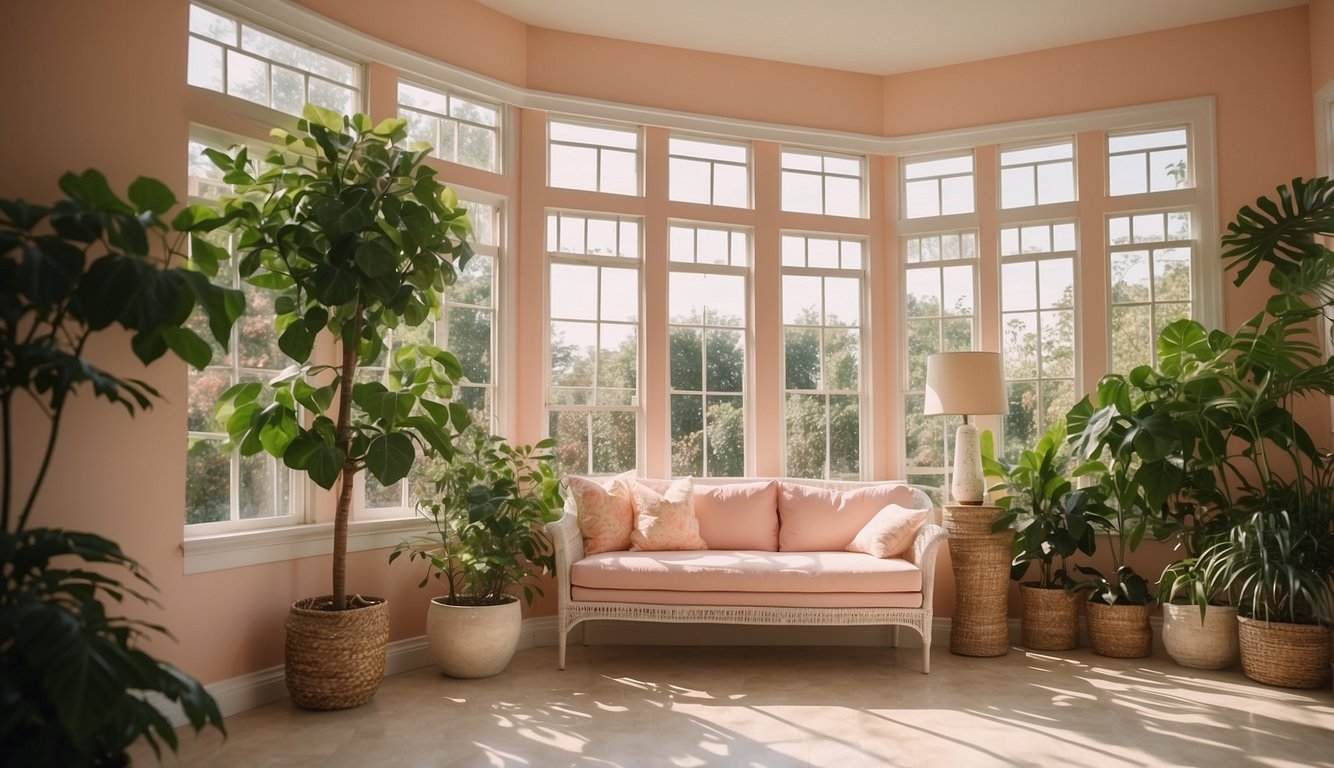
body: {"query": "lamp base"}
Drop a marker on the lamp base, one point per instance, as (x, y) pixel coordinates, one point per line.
(968, 485)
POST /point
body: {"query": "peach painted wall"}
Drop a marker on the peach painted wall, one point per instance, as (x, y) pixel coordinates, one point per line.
(129, 115)
(1322, 42)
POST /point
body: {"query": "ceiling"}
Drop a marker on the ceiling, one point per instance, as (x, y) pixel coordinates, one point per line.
(878, 37)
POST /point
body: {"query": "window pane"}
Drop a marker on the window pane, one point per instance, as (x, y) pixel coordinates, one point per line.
(726, 361)
(1130, 276)
(573, 167)
(208, 481)
(687, 435)
(806, 436)
(204, 68)
(842, 359)
(731, 186)
(844, 437)
(687, 357)
(801, 358)
(613, 441)
(1171, 274)
(802, 193)
(569, 429)
(726, 443)
(689, 180)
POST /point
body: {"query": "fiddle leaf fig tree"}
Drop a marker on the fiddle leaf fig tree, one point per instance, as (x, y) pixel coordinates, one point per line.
(355, 236)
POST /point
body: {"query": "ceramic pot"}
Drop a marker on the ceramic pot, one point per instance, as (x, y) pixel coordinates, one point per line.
(473, 640)
(1208, 643)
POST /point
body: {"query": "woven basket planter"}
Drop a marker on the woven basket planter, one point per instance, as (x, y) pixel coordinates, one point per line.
(1208, 644)
(1050, 619)
(335, 659)
(1120, 631)
(1286, 655)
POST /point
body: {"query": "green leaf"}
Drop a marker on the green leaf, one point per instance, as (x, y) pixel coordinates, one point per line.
(389, 457)
(297, 341)
(320, 460)
(188, 346)
(325, 117)
(151, 195)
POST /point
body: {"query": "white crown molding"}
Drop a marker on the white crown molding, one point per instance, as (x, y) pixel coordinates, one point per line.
(299, 23)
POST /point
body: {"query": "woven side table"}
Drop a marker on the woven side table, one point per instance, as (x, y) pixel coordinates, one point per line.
(981, 561)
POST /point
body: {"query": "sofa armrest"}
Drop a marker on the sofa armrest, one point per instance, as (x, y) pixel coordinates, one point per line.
(568, 546)
(923, 553)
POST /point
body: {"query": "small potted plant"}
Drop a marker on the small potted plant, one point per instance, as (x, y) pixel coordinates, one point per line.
(1049, 525)
(487, 511)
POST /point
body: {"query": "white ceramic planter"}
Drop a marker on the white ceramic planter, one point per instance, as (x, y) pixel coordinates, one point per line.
(1211, 644)
(473, 640)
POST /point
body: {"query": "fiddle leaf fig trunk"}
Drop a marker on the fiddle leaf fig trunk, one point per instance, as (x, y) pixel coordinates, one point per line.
(354, 236)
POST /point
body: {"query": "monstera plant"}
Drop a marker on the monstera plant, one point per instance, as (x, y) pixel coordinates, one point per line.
(72, 672)
(354, 236)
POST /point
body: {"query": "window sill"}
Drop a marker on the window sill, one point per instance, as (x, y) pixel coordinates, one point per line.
(273, 545)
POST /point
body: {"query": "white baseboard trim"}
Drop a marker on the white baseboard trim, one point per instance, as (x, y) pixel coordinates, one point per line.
(237, 694)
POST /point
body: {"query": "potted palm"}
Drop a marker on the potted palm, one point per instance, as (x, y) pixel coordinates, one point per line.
(487, 511)
(73, 673)
(354, 236)
(1131, 450)
(1278, 558)
(1050, 525)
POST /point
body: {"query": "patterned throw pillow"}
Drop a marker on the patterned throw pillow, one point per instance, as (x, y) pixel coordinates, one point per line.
(606, 513)
(665, 517)
(890, 532)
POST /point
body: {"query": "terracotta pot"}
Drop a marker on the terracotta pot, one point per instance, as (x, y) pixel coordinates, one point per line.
(1121, 631)
(335, 659)
(1208, 643)
(473, 640)
(1050, 618)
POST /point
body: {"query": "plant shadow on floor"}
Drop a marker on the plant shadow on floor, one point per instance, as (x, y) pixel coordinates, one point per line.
(642, 706)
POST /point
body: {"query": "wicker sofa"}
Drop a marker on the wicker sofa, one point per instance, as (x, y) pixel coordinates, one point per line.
(793, 570)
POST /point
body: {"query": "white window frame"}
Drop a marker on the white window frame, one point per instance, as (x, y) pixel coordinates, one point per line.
(358, 74)
(1035, 176)
(862, 328)
(1188, 146)
(947, 423)
(939, 179)
(450, 94)
(1192, 243)
(599, 150)
(1039, 380)
(599, 262)
(713, 165)
(297, 512)
(732, 268)
(824, 175)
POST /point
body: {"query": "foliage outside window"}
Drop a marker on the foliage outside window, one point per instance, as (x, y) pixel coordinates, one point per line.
(460, 129)
(236, 58)
(597, 158)
(707, 292)
(823, 183)
(222, 487)
(1149, 261)
(940, 308)
(1037, 329)
(822, 356)
(593, 347)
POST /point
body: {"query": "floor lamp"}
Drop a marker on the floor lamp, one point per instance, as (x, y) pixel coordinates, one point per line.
(965, 384)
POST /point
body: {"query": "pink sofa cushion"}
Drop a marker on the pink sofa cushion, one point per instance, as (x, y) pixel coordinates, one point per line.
(745, 571)
(664, 516)
(890, 532)
(738, 516)
(606, 513)
(756, 599)
(813, 519)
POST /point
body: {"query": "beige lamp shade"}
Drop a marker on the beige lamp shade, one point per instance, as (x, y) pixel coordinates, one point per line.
(964, 383)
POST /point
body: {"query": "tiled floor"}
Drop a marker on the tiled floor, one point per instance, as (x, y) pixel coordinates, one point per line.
(632, 706)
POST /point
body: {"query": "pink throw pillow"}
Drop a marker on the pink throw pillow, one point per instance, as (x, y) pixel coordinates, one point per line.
(890, 532)
(606, 513)
(665, 519)
(739, 515)
(814, 519)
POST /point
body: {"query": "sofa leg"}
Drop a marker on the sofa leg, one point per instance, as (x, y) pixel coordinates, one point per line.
(926, 657)
(560, 664)
(894, 636)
